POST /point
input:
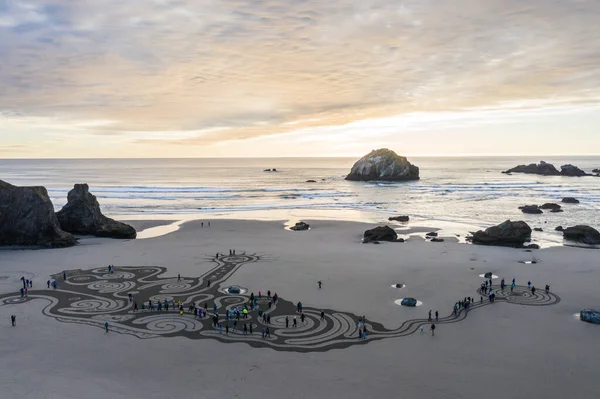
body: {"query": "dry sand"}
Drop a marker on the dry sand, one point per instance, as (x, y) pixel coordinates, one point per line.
(499, 351)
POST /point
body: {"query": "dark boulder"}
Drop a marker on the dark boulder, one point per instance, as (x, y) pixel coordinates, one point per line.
(412, 302)
(488, 275)
(436, 239)
(27, 218)
(531, 209)
(595, 170)
(543, 168)
(267, 170)
(559, 228)
(582, 234)
(551, 206)
(532, 246)
(431, 234)
(399, 285)
(572, 170)
(82, 215)
(590, 316)
(399, 240)
(383, 164)
(311, 181)
(399, 218)
(570, 200)
(381, 233)
(300, 226)
(511, 234)
(538, 229)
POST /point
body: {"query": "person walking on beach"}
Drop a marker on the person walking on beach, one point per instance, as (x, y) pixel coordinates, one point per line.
(13, 320)
(208, 224)
(22, 292)
(533, 290)
(360, 333)
(547, 288)
(48, 282)
(320, 284)
(227, 328)
(322, 315)
(179, 277)
(529, 284)
(512, 286)
(245, 329)
(502, 285)
(436, 315)
(432, 330)
(250, 328)
(135, 306)
(201, 224)
(295, 322)
(287, 322)
(106, 326)
(429, 317)
(65, 276)
(302, 318)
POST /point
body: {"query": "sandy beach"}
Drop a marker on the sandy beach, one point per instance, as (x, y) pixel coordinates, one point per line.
(504, 349)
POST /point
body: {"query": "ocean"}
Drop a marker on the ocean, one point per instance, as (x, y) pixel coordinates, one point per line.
(470, 191)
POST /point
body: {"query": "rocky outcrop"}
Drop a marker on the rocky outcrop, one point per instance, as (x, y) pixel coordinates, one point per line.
(300, 226)
(582, 234)
(533, 246)
(552, 207)
(383, 164)
(82, 215)
(559, 228)
(27, 218)
(547, 169)
(431, 234)
(531, 209)
(590, 316)
(538, 229)
(570, 200)
(411, 302)
(399, 219)
(509, 234)
(437, 239)
(311, 181)
(381, 233)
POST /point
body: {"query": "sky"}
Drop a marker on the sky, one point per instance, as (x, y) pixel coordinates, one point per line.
(244, 78)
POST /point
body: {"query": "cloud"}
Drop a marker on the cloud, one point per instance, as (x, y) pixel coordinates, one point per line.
(235, 70)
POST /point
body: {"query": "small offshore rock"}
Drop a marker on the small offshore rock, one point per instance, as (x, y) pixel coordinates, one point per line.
(399, 218)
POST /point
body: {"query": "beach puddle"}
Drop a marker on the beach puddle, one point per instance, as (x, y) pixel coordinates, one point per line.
(399, 302)
(158, 231)
(483, 276)
(398, 285)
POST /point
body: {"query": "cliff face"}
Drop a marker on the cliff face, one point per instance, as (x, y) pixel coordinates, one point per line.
(27, 218)
(383, 164)
(82, 215)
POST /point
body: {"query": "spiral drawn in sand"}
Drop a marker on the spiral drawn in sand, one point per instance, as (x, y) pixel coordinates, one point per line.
(93, 297)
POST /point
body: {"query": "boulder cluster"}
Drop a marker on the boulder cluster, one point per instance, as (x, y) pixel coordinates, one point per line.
(547, 169)
(27, 218)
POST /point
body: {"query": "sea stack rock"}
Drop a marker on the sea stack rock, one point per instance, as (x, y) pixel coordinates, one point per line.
(543, 168)
(384, 165)
(572, 170)
(583, 234)
(82, 215)
(508, 234)
(27, 218)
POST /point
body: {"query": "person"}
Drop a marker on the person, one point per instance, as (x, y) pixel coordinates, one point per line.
(201, 224)
(220, 328)
(263, 333)
(429, 317)
(26, 291)
(299, 307)
(480, 299)
(422, 329)
(54, 284)
(533, 290)
(269, 294)
(226, 328)
(513, 280)
(436, 315)
(502, 284)
(432, 329)
(268, 332)
(235, 325)
(22, 292)
(48, 282)
(106, 326)
(287, 322)
(359, 333)
(547, 288)
(208, 224)
(322, 315)
(512, 286)
(269, 318)
(529, 284)
(302, 318)
(65, 276)
(143, 307)
(295, 322)
(245, 328)
(364, 333)
(13, 320)
(250, 328)
(179, 277)
(135, 306)
(320, 284)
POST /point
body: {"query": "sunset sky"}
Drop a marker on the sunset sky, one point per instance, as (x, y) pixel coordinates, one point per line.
(213, 78)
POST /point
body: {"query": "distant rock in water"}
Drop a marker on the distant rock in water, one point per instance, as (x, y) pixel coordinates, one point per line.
(381, 233)
(399, 218)
(27, 218)
(508, 234)
(411, 302)
(82, 215)
(582, 234)
(570, 200)
(531, 209)
(552, 207)
(385, 165)
(547, 169)
(300, 226)
(590, 316)
(311, 181)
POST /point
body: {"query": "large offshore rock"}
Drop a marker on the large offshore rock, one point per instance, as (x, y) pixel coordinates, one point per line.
(381, 233)
(508, 234)
(590, 315)
(572, 170)
(383, 164)
(583, 234)
(82, 215)
(27, 218)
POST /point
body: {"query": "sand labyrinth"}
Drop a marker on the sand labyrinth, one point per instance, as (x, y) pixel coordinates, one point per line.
(95, 296)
